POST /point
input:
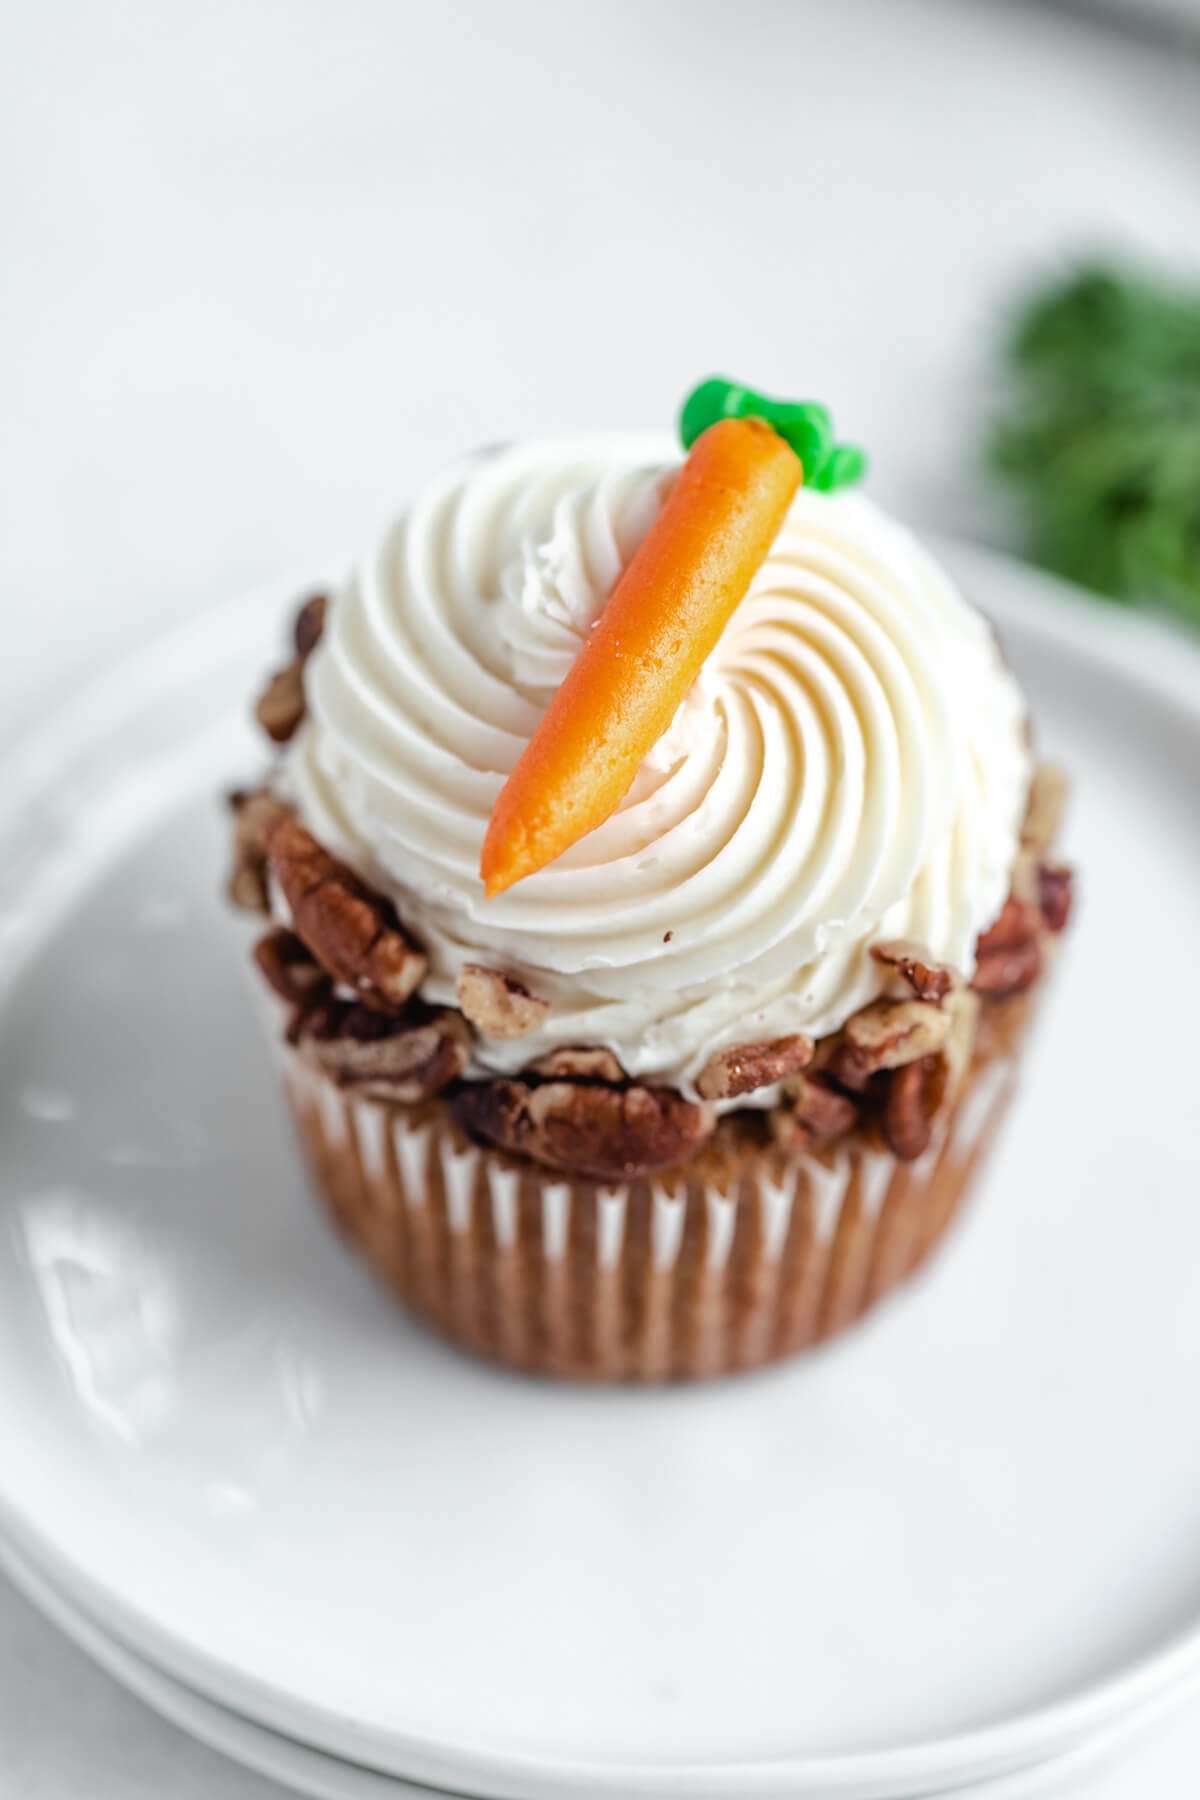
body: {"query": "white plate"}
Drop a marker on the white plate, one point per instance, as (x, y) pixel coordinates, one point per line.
(306, 1771)
(326, 1778)
(957, 1541)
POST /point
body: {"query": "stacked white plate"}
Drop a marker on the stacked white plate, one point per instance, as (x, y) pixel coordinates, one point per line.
(962, 1542)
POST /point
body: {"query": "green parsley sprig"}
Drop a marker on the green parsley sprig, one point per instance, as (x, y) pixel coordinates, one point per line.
(1101, 437)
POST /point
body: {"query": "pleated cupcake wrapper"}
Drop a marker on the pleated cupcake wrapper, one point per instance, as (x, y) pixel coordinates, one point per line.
(731, 1263)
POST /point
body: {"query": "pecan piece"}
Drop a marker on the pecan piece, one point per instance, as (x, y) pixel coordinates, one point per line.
(498, 1004)
(280, 708)
(885, 1035)
(1016, 923)
(1044, 808)
(910, 1107)
(578, 1062)
(927, 979)
(255, 817)
(600, 1133)
(353, 933)
(286, 965)
(401, 1059)
(1055, 893)
(744, 1067)
(816, 1114)
(820, 1108)
(962, 1007)
(310, 623)
(914, 1096)
(1023, 886)
(1004, 969)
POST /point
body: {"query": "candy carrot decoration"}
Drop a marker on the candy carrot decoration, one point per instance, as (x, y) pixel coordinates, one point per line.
(804, 424)
(660, 623)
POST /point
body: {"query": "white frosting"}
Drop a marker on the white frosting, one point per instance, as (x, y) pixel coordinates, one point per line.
(851, 764)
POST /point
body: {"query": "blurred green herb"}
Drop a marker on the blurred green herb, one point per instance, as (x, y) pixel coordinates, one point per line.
(1102, 436)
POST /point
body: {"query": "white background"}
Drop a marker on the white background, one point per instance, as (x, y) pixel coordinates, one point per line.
(262, 265)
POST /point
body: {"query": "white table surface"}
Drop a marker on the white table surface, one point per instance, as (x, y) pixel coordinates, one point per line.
(264, 262)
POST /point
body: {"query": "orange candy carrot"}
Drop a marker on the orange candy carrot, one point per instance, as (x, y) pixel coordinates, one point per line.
(661, 621)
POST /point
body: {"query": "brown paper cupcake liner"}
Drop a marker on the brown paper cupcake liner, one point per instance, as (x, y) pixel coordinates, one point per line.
(738, 1259)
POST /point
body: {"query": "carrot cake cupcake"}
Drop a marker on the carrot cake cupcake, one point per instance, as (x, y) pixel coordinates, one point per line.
(656, 881)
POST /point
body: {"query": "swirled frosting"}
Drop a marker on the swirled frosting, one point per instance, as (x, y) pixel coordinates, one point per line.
(850, 765)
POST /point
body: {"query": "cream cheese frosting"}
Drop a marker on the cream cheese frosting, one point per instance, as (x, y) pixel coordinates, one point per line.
(851, 764)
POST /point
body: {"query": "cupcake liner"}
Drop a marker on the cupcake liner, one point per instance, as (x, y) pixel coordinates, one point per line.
(742, 1257)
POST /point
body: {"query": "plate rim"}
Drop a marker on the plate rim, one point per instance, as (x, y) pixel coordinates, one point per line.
(203, 1719)
(1132, 647)
(191, 1712)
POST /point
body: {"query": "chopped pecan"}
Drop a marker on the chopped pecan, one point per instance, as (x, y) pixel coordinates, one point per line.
(914, 1096)
(600, 1133)
(246, 888)
(286, 965)
(1023, 886)
(1016, 923)
(816, 1113)
(821, 1108)
(498, 1004)
(1055, 893)
(280, 706)
(353, 933)
(744, 1067)
(1044, 808)
(910, 1106)
(928, 980)
(402, 1058)
(962, 1008)
(256, 815)
(885, 1035)
(280, 709)
(310, 623)
(1004, 969)
(578, 1062)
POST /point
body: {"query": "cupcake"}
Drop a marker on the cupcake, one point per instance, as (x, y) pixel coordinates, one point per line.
(656, 882)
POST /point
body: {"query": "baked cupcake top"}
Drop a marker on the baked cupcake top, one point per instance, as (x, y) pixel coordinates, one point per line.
(850, 766)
